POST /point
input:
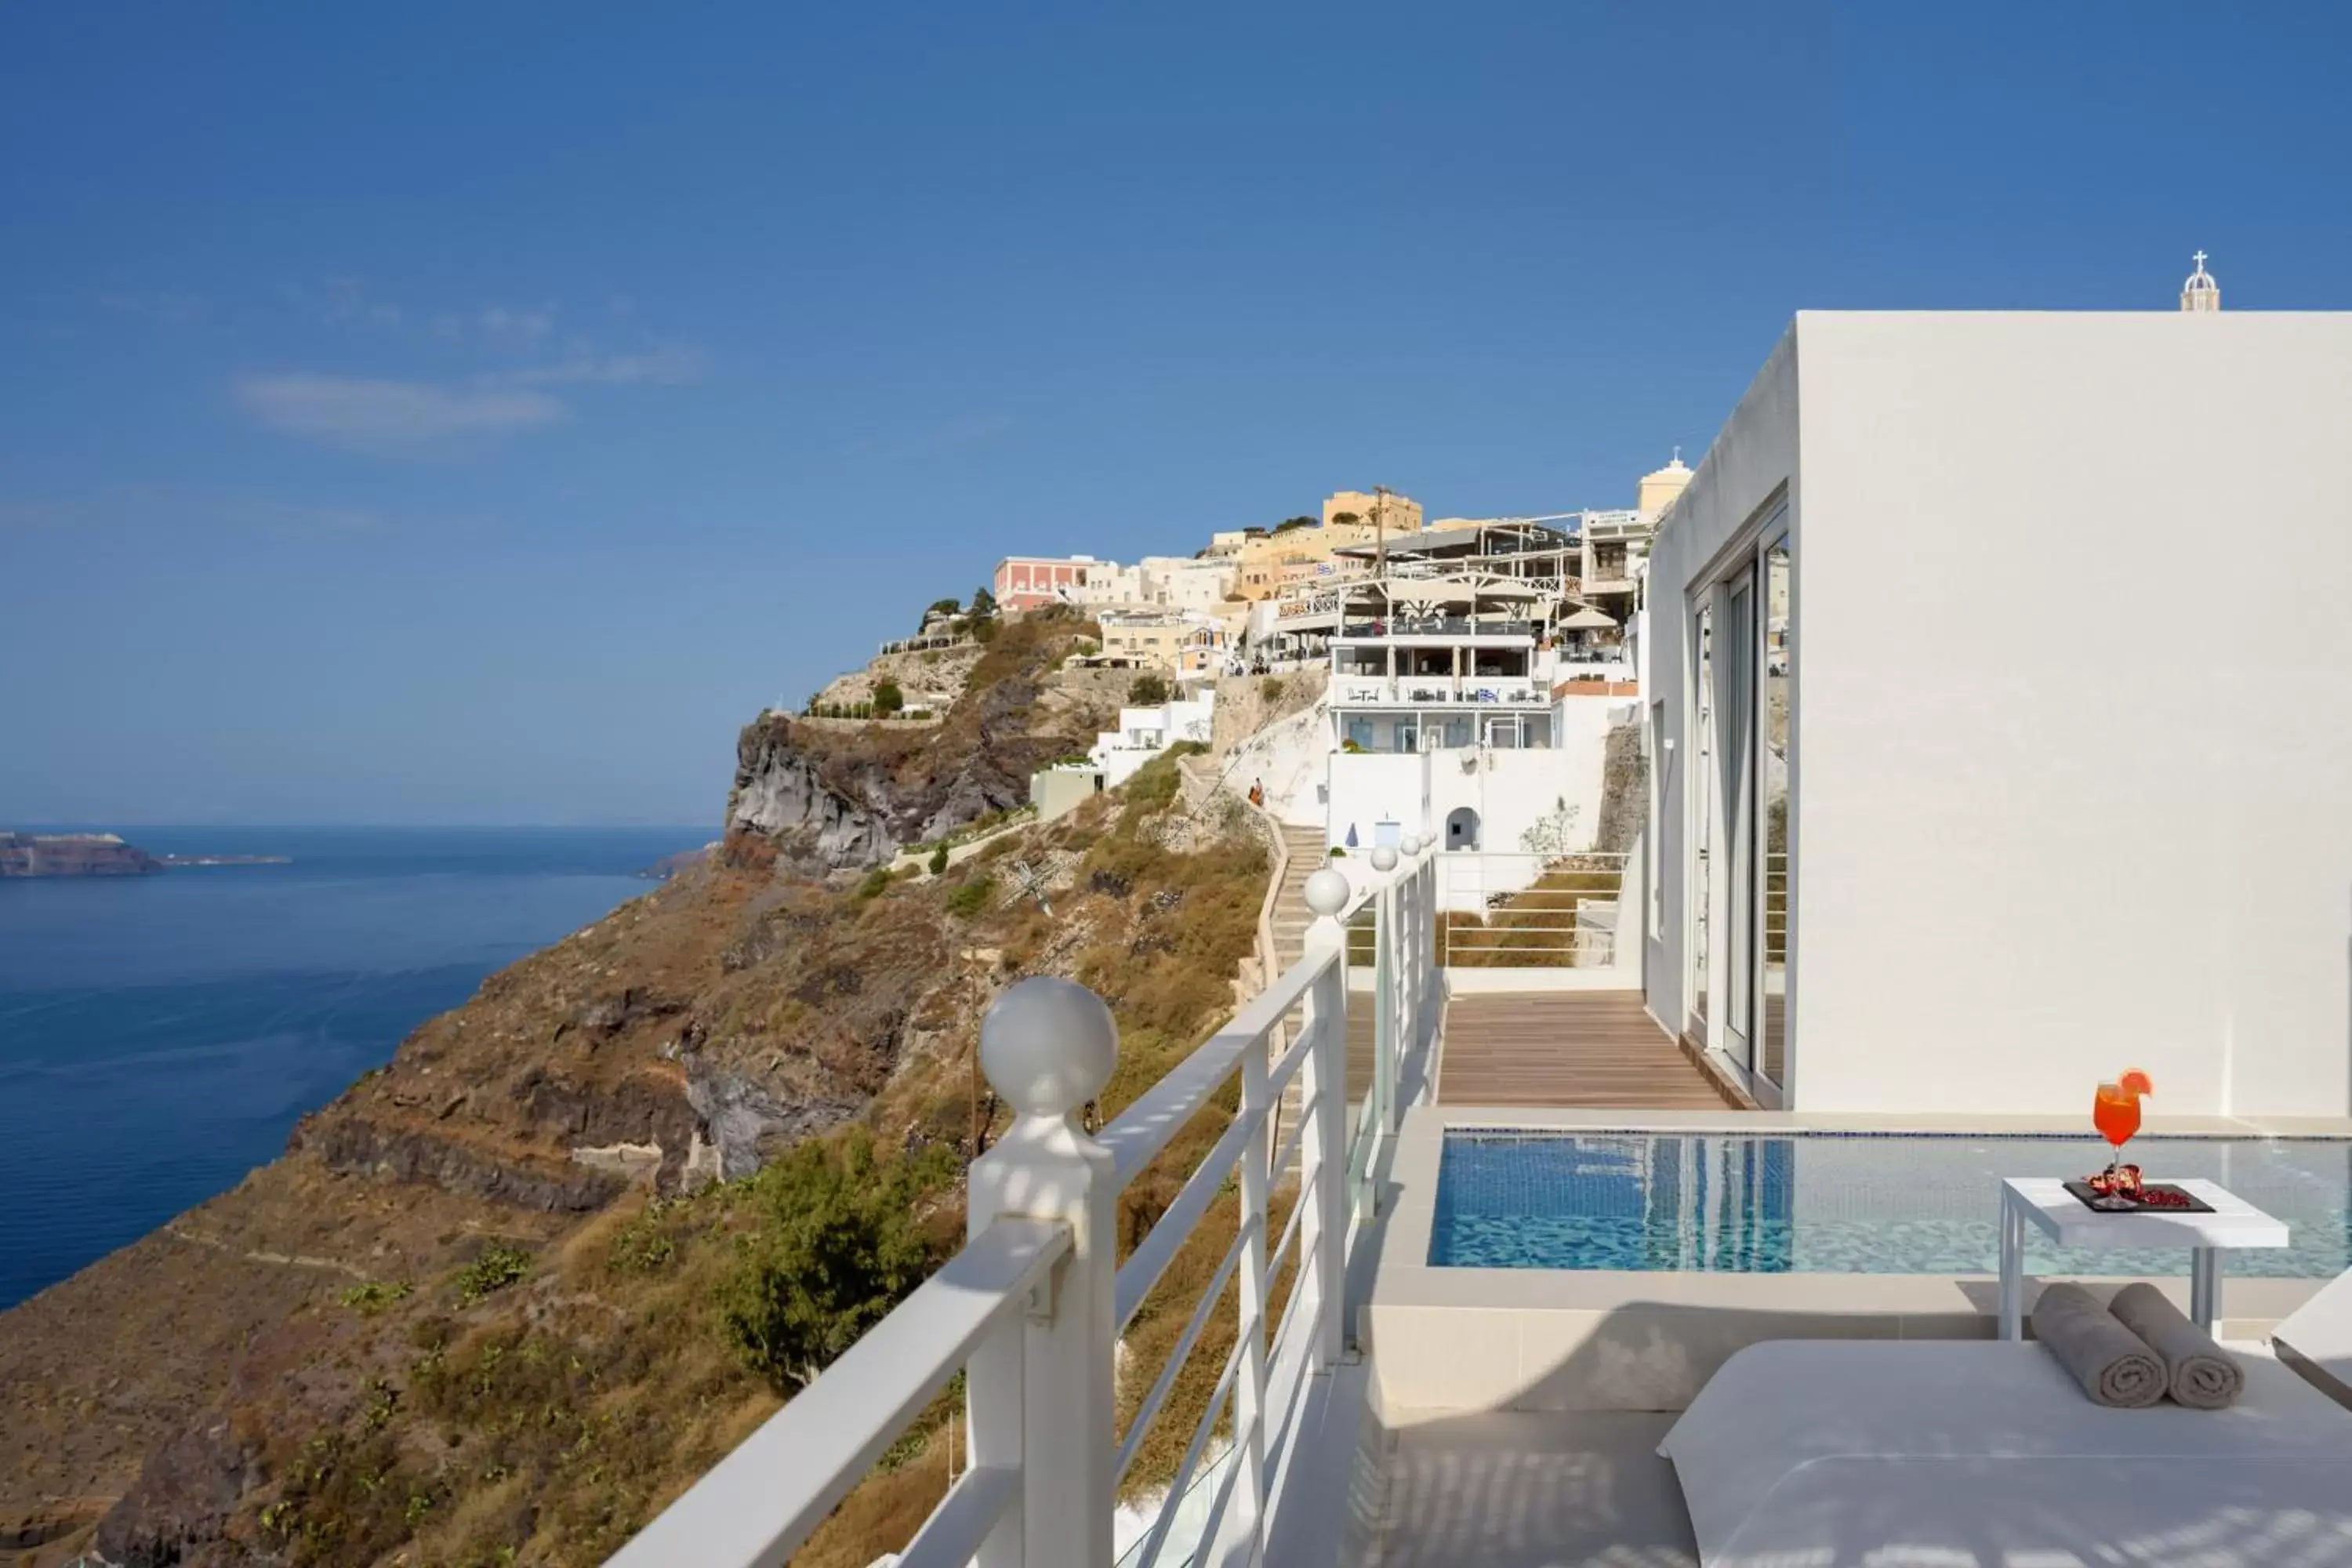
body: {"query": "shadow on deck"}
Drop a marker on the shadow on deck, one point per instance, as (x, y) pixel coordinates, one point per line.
(1567, 1049)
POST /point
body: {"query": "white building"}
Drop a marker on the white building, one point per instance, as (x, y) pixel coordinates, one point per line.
(1451, 719)
(1967, 794)
(1104, 582)
(1144, 733)
(1182, 582)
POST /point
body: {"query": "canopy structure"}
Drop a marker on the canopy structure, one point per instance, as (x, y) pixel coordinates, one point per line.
(1589, 619)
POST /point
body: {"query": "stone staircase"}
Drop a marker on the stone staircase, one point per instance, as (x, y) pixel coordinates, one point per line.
(1291, 917)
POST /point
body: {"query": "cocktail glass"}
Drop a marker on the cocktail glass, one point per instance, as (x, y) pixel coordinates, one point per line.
(2115, 1111)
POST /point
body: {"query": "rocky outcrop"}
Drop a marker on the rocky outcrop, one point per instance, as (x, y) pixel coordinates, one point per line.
(817, 798)
(742, 1122)
(180, 1506)
(1624, 790)
(781, 793)
(356, 1144)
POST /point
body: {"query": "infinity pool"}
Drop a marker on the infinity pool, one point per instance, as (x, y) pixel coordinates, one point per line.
(1842, 1203)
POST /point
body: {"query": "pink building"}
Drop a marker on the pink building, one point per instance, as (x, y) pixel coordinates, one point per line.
(1026, 582)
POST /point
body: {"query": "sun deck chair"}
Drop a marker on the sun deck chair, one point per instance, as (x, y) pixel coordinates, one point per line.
(2316, 1338)
(1969, 1452)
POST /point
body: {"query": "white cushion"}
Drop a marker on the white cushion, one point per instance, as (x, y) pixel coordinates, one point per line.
(2319, 1334)
(1812, 1453)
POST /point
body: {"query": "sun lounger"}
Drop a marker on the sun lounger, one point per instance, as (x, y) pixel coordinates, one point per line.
(1972, 1452)
(2316, 1338)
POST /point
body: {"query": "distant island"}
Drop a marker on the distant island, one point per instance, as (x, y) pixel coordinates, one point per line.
(102, 854)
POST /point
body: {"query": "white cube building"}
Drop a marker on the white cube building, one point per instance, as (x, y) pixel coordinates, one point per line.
(2001, 717)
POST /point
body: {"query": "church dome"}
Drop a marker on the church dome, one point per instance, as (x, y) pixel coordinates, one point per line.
(2203, 291)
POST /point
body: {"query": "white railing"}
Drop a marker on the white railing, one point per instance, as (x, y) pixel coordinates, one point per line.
(1406, 999)
(1500, 910)
(1409, 690)
(1032, 1309)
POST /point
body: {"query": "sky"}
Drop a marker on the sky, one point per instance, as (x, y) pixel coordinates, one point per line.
(463, 414)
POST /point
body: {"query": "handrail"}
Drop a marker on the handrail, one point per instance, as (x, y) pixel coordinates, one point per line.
(1140, 1131)
(1032, 1308)
(762, 1501)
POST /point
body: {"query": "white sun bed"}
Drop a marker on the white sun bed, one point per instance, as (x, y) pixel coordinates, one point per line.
(1970, 1454)
(2316, 1338)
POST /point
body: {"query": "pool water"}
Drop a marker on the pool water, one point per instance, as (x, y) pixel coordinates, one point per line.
(1843, 1204)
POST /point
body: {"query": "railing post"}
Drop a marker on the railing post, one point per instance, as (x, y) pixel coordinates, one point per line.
(1416, 941)
(1323, 1155)
(1249, 1522)
(1041, 1386)
(1388, 953)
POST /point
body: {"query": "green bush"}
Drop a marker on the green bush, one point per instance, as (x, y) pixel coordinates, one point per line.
(888, 698)
(1147, 692)
(940, 860)
(1270, 689)
(641, 1247)
(839, 1243)
(373, 1296)
(876, 881)
(972, 897)
(983, 632)
(498, 1267)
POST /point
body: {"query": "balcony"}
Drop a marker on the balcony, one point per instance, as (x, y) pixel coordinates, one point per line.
(1438, 691)
(1378, 628)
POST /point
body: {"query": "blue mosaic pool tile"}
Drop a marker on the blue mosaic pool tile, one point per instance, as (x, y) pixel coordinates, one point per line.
(1828, 1203)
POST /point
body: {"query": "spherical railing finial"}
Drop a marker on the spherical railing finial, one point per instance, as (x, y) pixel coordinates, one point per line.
(1327, 892)
(1049, 1045)
(1410, 844)
(1384, 859)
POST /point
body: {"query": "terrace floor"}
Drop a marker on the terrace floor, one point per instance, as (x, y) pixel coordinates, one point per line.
(1566, 1049)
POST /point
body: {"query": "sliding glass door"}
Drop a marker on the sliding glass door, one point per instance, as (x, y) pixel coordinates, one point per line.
(1736, 667)
(1701, 817)
(1742, 872)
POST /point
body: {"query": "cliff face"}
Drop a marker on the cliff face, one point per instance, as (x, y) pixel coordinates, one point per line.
(826, 798)
(72, 854)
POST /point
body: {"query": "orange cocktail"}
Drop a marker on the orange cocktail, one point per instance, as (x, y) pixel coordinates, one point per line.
(2115, 1113)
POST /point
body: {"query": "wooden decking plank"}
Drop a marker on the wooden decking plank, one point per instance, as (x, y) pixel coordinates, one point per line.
(1584, 1049)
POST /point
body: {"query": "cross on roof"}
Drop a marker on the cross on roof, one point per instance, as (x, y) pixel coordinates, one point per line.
(2199, 260)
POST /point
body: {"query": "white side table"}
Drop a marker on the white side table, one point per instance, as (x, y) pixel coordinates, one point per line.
(2066, 1220)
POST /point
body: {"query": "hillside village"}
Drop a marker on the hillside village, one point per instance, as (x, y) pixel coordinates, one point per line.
(1466, 673)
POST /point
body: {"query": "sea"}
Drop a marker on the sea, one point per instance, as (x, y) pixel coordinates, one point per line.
(160, 1036)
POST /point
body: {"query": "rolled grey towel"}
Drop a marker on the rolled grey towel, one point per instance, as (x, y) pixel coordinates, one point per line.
(2115, 1367)
(2198, 1373)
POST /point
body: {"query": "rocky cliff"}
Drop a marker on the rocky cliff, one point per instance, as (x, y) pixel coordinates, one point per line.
(473, 1314)
(825, 797)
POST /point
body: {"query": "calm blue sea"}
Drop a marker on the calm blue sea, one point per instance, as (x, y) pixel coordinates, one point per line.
(160, 1036)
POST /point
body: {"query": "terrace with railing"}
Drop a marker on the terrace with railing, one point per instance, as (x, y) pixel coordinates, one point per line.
(1032, 1310)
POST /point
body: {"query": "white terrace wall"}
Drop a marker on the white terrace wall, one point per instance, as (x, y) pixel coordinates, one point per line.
(2035, 844)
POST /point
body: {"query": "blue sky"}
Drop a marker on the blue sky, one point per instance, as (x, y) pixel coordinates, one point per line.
(474, 413)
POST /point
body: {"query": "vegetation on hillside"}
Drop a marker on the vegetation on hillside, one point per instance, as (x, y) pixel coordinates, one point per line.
(541, 1405)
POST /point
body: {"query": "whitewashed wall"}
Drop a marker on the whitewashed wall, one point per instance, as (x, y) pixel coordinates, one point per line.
(2035, 844)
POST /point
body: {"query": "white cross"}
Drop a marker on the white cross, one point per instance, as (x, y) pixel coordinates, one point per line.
(2199, 260)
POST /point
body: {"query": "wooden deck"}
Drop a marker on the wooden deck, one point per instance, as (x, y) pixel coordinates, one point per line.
(1566, 1048)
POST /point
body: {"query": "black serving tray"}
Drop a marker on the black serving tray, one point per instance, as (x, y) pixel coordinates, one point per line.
(2082, 1190)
